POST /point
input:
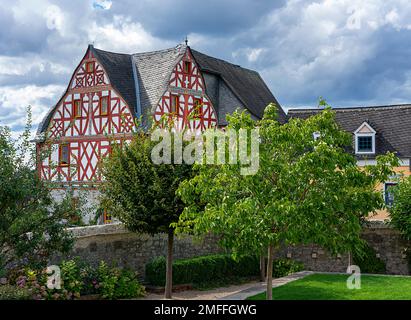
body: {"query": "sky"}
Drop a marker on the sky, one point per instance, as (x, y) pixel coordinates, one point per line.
(351, 52)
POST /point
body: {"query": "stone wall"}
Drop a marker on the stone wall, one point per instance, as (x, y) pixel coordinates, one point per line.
(386, 242)
(114, 244)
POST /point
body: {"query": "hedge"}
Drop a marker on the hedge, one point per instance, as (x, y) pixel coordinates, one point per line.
(219, 268)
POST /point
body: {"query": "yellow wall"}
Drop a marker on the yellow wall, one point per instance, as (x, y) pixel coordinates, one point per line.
(383, 214)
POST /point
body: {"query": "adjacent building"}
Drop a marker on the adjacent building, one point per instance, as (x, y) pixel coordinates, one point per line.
(375, 131)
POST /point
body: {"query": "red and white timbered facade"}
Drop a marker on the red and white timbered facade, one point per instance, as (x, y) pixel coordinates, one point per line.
(185, 101)
(87, 119)
(92, 115)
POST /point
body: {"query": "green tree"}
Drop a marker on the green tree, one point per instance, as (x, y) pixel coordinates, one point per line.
(400, 211)
(142, 194)
(306, 190)
(31, 224)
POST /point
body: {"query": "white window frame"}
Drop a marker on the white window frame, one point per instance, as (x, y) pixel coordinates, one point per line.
(368, 134)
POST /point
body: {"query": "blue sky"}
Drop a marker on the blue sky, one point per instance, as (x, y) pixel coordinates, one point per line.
(352, 52)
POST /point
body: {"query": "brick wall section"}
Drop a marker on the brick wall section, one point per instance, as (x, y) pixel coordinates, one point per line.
(114, 244)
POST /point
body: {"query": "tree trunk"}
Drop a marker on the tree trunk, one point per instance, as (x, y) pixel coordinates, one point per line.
(270, 272)
(169, 265)
(262, 267)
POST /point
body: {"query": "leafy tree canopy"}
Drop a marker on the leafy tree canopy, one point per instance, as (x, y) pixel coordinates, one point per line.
(31, 224)
(306, 190)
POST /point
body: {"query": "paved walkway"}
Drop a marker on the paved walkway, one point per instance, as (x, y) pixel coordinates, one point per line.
(236, 292)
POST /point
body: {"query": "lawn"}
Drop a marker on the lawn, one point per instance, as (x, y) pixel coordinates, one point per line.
(333, 287)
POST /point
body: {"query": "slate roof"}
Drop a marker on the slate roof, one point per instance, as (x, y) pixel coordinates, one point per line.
(246, 84)
(153, 71)
(120, 72)
(392, 124)
(142, 78)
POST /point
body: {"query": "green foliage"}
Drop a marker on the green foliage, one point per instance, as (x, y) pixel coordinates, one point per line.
(72, 277)
(305, 191)
(31, 227)
(368, 261)
(212, 269)
(79, 279)
(205, 269)
(117, 284)
(400, 212)
(8, 292)
(284, 267)
(140, 193)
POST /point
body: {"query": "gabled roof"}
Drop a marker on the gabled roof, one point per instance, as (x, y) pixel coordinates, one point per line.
(142, 78)
(120, 72)
(246, 84)
(153, 71)
(392, 125)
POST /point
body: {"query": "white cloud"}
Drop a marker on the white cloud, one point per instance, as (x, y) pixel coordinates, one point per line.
(124, 35)
(15, 100)
(102, 4)
(54, 17)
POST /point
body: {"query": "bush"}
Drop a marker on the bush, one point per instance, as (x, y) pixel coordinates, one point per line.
(9, 292)
(368, 261)
(79, 279)
(115, 283)
(219, 268)
(284, 267)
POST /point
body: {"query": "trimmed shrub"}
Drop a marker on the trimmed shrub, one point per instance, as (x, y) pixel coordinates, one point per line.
(219, 268)
(368, 261)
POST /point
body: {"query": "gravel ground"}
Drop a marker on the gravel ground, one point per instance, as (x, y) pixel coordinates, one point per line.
(213, 294)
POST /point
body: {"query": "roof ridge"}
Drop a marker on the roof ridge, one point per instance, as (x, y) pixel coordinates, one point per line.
(225, 61)
(139, 54)
(365, 108)
(125, 54)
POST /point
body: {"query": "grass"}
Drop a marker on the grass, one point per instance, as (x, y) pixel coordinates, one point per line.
(334, 287)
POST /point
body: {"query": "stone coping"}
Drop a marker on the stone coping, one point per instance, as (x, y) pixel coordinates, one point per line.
(103, 229)
(118, 228)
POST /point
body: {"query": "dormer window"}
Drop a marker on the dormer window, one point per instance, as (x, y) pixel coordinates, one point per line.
(365, 139)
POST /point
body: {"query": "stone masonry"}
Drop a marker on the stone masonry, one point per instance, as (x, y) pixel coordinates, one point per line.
(114, 244)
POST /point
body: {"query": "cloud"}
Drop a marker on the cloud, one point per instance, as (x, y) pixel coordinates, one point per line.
(15, 100)
(352, 52)
(124, 35)
(102, 4)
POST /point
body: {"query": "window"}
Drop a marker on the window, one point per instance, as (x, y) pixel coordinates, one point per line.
(365, 139)
(175, 102)
(316, 135)
(104, 106)
(90, 67)
(187, 67)
(106, 217)
(388, 193)
(198, 111)
(364, 143)
(64, 154)
(77, 108)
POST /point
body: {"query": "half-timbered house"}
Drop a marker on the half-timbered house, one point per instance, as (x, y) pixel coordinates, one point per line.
(108, 91)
